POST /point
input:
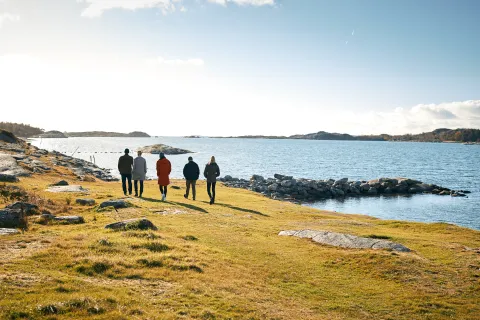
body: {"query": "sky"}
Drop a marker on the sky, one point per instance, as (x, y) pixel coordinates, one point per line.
(239, 67)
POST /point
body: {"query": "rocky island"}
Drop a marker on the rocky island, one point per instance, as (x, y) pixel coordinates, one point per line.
(162, 148)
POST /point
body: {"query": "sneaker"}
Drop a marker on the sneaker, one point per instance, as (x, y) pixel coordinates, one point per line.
(136, 194)
(140, 195)
(211, 200)
(185, 196)
(163, 197)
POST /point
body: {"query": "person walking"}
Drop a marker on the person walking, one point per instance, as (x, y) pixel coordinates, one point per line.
(211, 172)
(125, 164)
(139, 172)
(164, 167)
(191, 172)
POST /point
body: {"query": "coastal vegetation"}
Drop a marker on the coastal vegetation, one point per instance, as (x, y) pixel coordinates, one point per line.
(225, 261)
(20, 129)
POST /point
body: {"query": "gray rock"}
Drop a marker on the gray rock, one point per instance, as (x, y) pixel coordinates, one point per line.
(161, 148)
(85, 202)
(67, 189)
(273, 187)
(142, 224)
(7, 231)
(342, 181)
(12, 218)
(372, 191)
(117, 204)
(228, 178)
(345, 240)
(257, 178)
(10, 167)
(8, 178)
(70, 219)
(28, 208)
(60, 183)
(282, 177)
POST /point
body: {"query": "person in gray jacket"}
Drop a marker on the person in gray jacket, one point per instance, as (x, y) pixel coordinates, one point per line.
(139, 172)
(211, 172)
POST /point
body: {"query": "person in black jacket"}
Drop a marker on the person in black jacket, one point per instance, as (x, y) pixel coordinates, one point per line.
(191, 172)
(125, 164)
(211, 173)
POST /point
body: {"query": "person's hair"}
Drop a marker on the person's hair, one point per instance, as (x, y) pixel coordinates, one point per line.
(139, 152)
(162, 155)
(190, 159)
(127, 151)
(212, 159)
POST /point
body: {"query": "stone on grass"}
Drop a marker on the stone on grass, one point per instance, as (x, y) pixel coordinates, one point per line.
(67, 189)
(7, 231)
(8, 178)
(117, 204)
(70, 219)
(345, 240)
(85, 202)
(132, 224)
(12, 218)
(28, 208)
(60, 183)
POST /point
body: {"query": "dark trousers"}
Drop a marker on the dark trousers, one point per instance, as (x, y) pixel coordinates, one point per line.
(211, 185)
(193, 184)
(163, 190)
(126, 177)
(136, 187)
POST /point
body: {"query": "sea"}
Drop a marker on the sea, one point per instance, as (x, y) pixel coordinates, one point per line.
(451, 165)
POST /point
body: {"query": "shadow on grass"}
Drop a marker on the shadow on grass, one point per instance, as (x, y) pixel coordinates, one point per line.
(239, 209)
(188, 206)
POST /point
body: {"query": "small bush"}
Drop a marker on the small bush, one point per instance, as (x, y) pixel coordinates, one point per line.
(152, 246)
(190, 238)
(62, 289)
(97, 267)
(150, 263)
(187, 268)
(104, 242)
(48, 309)
(18, 315)
(149, 235)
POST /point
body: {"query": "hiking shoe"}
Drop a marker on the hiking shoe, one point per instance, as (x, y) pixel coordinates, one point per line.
(163, 197)
(211, 200)
(185, 196)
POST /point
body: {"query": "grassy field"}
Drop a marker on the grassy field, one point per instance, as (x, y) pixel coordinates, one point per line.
(226, 261)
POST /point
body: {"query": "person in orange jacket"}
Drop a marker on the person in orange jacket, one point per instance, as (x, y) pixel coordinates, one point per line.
(164, 167)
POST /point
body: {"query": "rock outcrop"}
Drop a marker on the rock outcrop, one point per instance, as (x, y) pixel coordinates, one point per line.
(345, 240)
(52, 134)
(159, 148)
(132, 224)
(67, 189)
(8, 231)
(117, 204)
(85, 202)
(287, 188)
(12, 218)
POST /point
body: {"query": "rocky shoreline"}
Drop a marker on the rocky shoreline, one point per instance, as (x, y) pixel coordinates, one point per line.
(20, 159)
(306, 190)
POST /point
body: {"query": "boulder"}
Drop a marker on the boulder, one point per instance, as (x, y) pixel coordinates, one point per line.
(8, 137)
(345, 240)
(28, 208)
(282, 177)
(70, 219)
(60, 183)
(372, 191)
(12, 218)
(8, 178)
(257, 178)
(7, 231)
(273, 187)
(85, 202)
(228, 178)
(67, 189)
(342, 181)
(117, 204)
(142, 224)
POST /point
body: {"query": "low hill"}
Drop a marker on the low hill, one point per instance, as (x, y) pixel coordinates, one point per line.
(20, 129)
(135, 134)
(52, 134)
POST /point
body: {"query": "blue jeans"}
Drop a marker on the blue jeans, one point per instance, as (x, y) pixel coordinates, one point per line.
(126, 177)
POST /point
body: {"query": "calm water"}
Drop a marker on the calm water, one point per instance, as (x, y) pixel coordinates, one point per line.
(451, 165)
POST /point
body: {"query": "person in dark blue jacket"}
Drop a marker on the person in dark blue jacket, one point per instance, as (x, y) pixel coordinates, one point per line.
(191, 172)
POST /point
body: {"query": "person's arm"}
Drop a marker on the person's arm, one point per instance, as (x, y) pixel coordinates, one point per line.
(158, 168)
(119, 161)
(197, 171)
(169, 167)
(185, 171)
(205, 171)
(145, 165)
(218, 171)
(134, 166)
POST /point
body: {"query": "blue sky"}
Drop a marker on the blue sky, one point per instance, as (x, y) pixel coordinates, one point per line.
(268, 66)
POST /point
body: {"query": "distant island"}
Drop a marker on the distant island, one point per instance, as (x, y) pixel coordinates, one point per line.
(135, 134)
(162, 148)
(438, 135)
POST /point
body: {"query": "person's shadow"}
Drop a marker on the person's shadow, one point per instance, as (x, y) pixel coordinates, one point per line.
(239, 209)
(188, 206)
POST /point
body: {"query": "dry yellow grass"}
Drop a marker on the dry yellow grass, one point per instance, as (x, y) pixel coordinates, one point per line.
(226, 262)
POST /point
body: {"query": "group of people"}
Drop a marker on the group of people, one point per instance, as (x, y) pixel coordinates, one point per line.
(136, 170)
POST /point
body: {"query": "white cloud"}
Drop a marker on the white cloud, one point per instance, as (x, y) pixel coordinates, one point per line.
(419, 118)
(177, 62)
(96, 8)
(8, 17)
